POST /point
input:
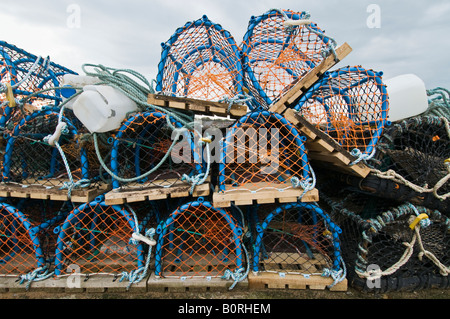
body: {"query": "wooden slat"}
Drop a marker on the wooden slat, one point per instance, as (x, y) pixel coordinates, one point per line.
(270, 280)
(82, 195)
(324, 149)
(178, 189)
(293, 94)
(197, 106)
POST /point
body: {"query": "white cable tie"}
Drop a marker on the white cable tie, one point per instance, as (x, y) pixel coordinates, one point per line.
(148, 241)
(51, 139)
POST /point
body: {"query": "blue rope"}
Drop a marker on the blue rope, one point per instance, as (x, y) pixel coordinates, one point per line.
(237, 99)
(361, 156)
(336, 275)
(136, 275)
(35, 275)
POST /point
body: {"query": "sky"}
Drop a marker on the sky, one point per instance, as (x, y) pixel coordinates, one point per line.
(394, 36)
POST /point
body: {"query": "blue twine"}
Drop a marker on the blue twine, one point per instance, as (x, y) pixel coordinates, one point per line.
(361, 156)
(136, 275)
(35, 276)
(237, 99)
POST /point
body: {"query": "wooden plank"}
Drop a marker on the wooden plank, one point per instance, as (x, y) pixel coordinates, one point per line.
(271, 280)
(175, 284)
(261, 193)
(297, 89)
(322, 147)
(198, 106)
(82, 195)
(177, 190)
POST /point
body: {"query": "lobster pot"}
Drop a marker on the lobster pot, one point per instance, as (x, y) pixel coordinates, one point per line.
(417, 150)
(297, 238)
(153, 149)
(263, 151)
(28, 74)
(200, 60)
(349, 104)
(198, 240)
(97, 239)
(275, 55)
(30, 161)
(389, 251)
(26, 234)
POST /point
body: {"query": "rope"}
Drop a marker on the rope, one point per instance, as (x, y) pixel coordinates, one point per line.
(238, 275)
(4, 87)
(118, 79)
(360, 156)
(136, 275)
(416, 223)
(290, 27)
(35, 275)
(307, 184)
(439, 106)
(392, 175)
(336, 275)
(237, 99)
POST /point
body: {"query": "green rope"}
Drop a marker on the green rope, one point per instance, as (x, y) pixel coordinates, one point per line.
(439, 105)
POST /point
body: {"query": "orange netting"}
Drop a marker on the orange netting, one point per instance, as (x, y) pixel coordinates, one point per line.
(350, 104)
(28, 74)
(198, 240)
(148, 151)
(27, 240)
(29, 159)
(98, 239)
(296, 238)
(201, 60)
(263, 150)
(276, 55)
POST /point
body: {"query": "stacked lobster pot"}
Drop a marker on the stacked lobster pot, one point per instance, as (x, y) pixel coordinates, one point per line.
(246, 165)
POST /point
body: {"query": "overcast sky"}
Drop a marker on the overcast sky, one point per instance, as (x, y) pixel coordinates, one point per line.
(408, 37)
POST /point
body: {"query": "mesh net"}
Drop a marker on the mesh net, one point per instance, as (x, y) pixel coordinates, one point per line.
(30, 160)
(97, 239)
(416, 149)
(29, 74)
(201, 60)
(275, 56)
(27, 240)
(198, 240)
(349, 104)
(146, 151)
(263, 151)
(375, 238)
(296, 238)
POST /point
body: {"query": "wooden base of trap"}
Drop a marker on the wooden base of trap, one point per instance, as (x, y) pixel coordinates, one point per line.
(261, 193)
(323, 149)
(292, 271)
(81, 195)
(198, 272)
(198, 106)
(74, 284)
(176, 190)
(192, 284)
(269, 280)
(291, 97)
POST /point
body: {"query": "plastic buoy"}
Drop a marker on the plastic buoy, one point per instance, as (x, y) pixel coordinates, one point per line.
(102, 108)
(407, 97)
